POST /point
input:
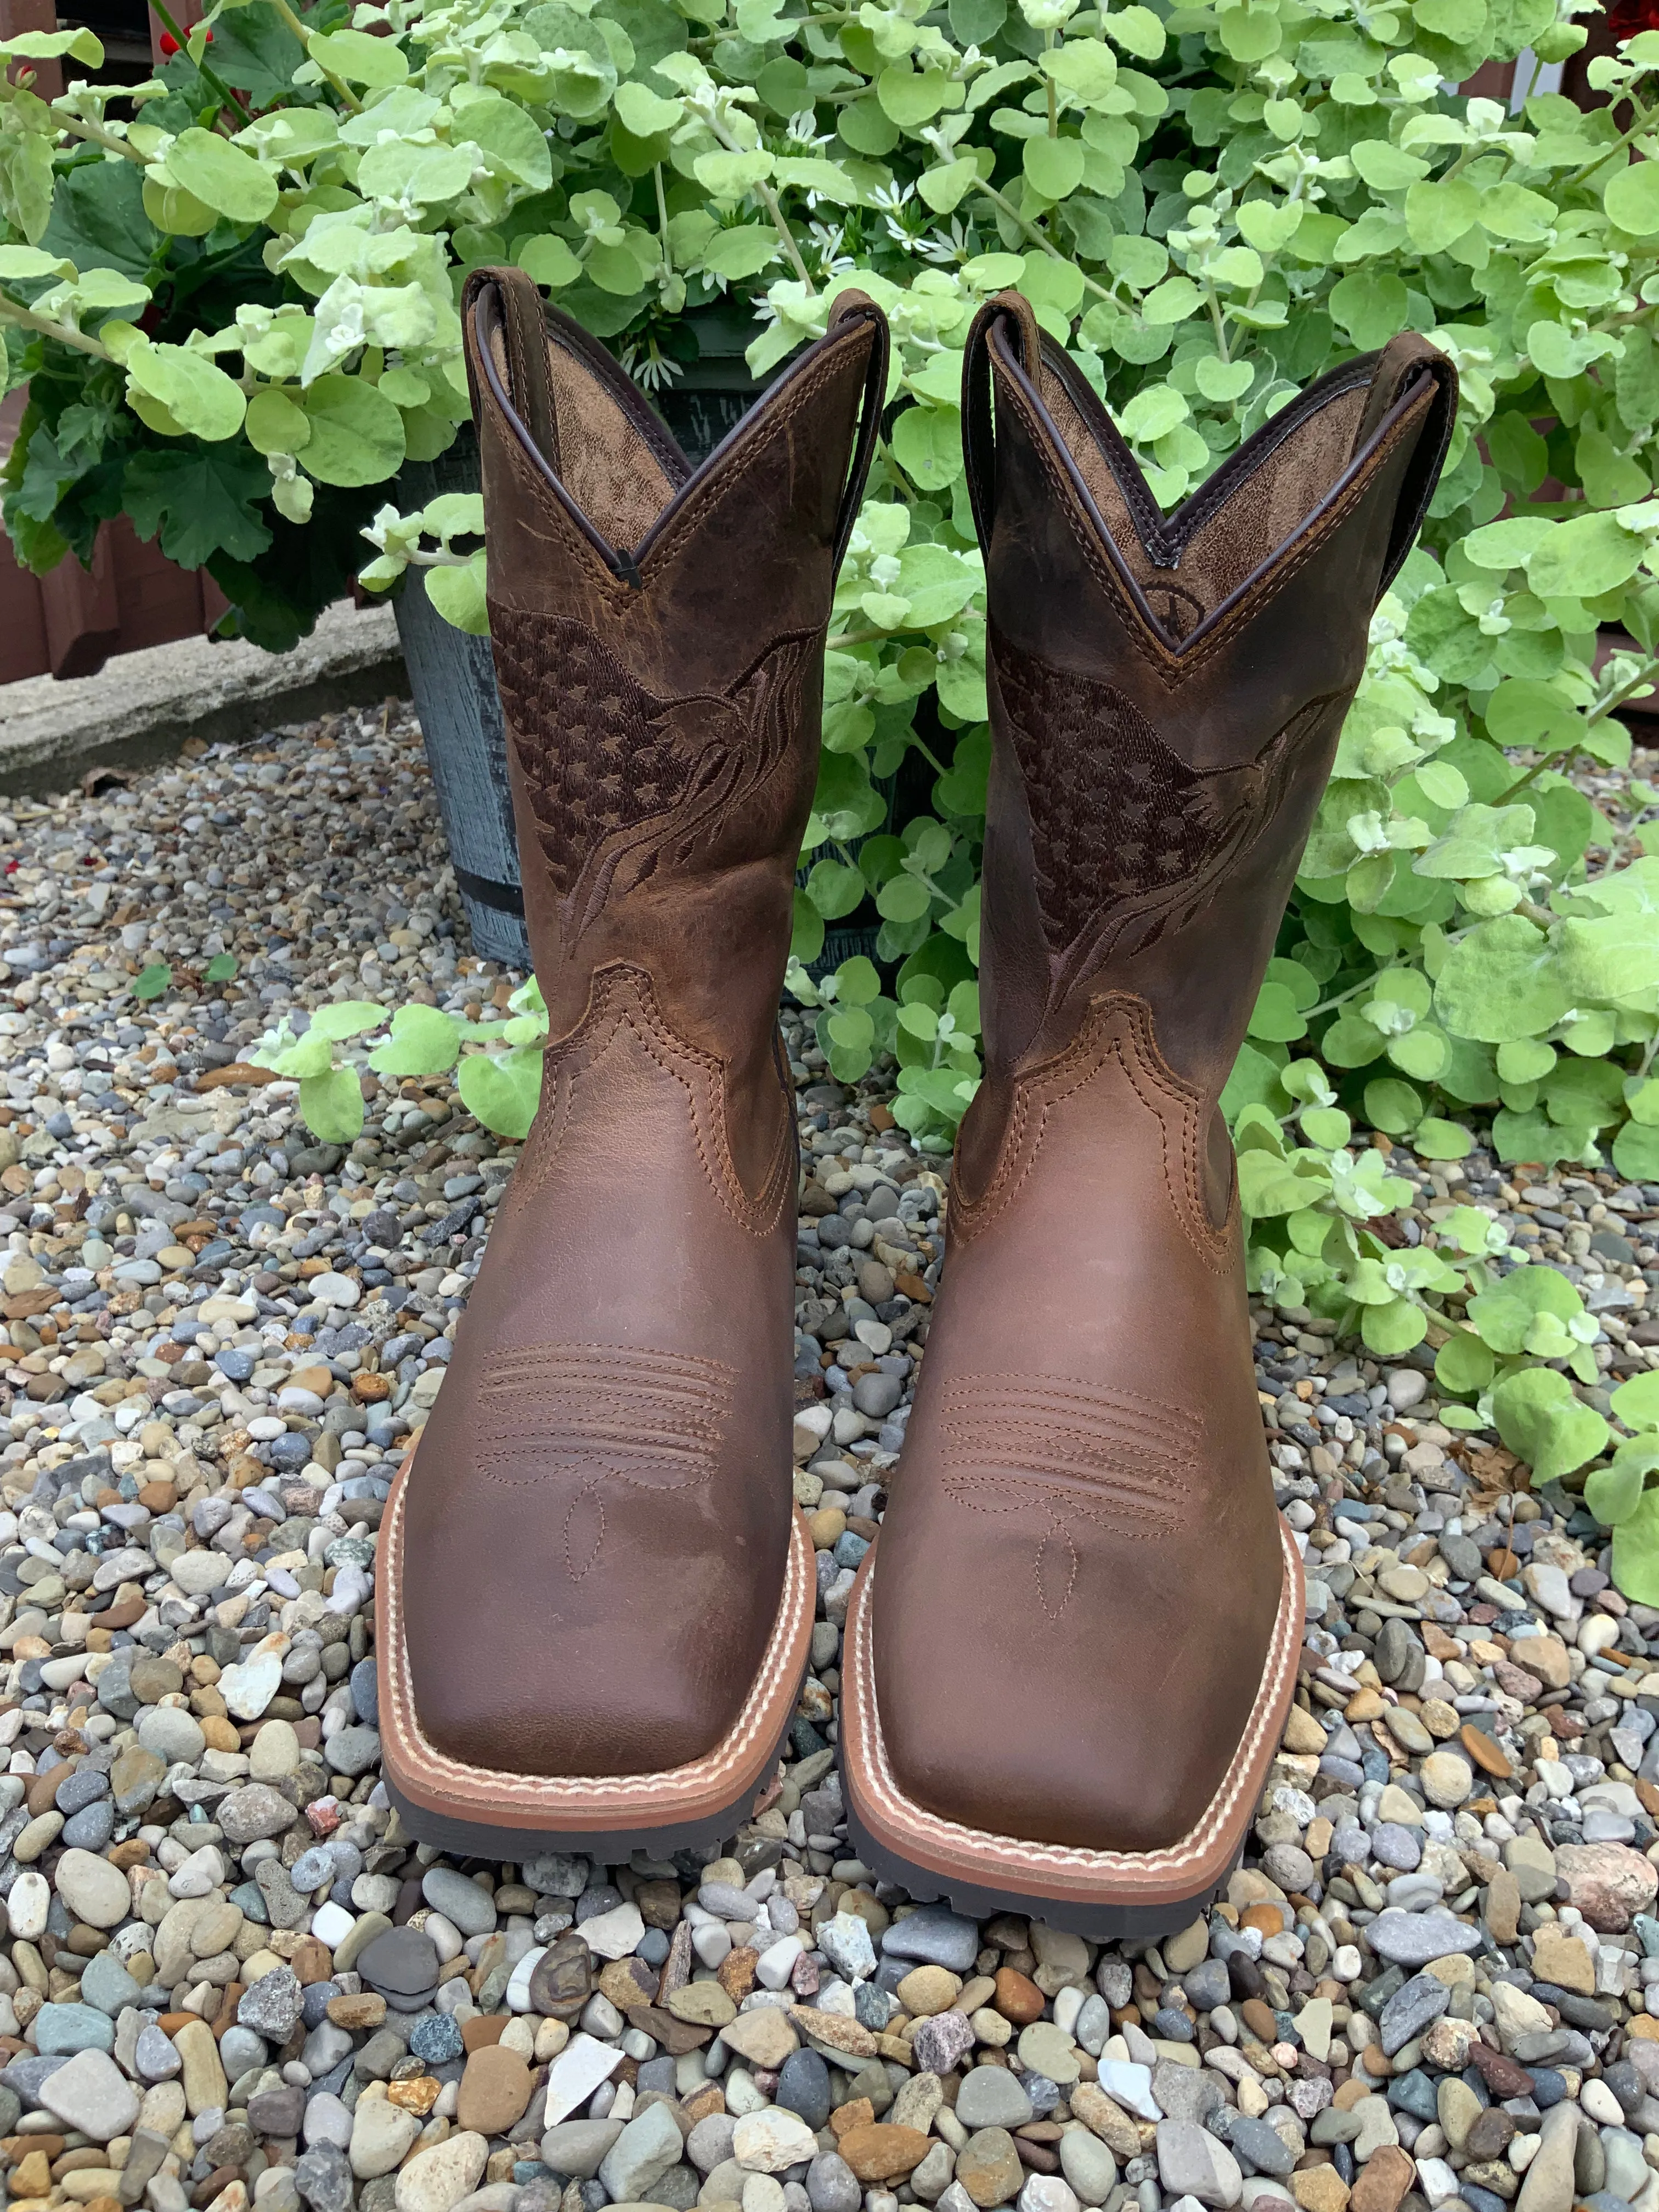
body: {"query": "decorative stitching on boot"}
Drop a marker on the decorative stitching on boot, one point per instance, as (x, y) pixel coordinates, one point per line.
(1060, 1449)
(621, 995)
(1128, 839)
(576, 1418)
(1117, 1025)
(621, 780)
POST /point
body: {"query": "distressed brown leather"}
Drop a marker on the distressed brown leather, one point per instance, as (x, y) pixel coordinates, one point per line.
(1076, 1585)
(599, 1514)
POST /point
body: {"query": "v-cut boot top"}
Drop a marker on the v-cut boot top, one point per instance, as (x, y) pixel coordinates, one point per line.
(602, 1494)
(1169, 688)
(659, 633)
(1084, 1727)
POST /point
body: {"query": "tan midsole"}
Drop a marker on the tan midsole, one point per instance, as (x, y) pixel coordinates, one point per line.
(586, 1802)
(1062, 1871)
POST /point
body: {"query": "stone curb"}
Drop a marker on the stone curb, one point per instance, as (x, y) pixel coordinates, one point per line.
(140, 706)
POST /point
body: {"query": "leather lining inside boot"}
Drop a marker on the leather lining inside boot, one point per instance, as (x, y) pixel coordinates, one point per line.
(617, 477)
(1253, 515)
(610, 470)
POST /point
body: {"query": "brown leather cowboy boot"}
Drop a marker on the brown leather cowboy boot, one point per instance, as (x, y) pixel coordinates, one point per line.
(596, 1598)
(1069, 1654)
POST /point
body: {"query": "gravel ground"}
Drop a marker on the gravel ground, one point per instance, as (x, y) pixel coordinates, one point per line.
(225, 1973)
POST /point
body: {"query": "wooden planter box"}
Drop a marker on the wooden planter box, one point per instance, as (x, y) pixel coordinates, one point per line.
(70, 623)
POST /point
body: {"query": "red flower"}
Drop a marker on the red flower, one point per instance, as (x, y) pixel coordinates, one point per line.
(168, 44)
(1626, 17)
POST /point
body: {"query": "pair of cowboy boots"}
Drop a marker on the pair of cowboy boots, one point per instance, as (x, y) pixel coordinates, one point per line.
(1067, 1660)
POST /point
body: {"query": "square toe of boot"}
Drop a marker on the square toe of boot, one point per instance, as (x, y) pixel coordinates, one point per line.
(613, 1726)
(1041, 1784)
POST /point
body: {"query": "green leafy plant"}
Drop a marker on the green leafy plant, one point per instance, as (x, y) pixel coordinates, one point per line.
(499, 1084)
(1619, 1496)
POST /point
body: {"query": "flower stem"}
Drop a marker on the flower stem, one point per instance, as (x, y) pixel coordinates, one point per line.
(774, 208)
(1034, 233)
(99, 137)
(1644, 117)
(65, 333)
(303, 35)
(768, 199)
(214, 82)
(662, 221)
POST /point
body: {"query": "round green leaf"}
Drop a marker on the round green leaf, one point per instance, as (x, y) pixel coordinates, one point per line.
(1391, 1330)
(1423, 1054)
(1152, 414)
(549, 261)
(1392, 1107)
(459, 596)
(1636, 1152)
(1637, 1402)
(424, 1040)
(1612, 1493)
(222, 176)
(1222, 380)
(359, 58)
(196, 393)
(1635, 1551)
(1053, 167)
(1276, 1017)
(331, 1105)
(357, 434)
(345, 1018)
(1370, 307)
(1464, 1365)
(503, 1089)
(1631, 199)
(1498, 982)
(1584, 556)
(275, 424)
(834, 889)
(1541, 1422)
(927, 443)
(1525, 1060)
(1172, 301)
(903, 898)
(1435, 1139)
(806, 941)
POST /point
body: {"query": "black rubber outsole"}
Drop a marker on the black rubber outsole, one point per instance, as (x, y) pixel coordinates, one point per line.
(1102, 1924)
(484, 1839)
(481, 1840)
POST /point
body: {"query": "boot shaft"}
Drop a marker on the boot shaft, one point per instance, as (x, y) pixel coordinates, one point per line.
(658, 637)
(1167, 691)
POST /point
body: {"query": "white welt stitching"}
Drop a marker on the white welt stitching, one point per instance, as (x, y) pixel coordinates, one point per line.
(677, 1782)
(1145, 1866)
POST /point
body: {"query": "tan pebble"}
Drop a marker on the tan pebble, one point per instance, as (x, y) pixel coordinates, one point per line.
(418, 2095)
(1320, 2189)
(1302, 1732)
(880, 2152)
(928, 1989)
(495, 2091)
